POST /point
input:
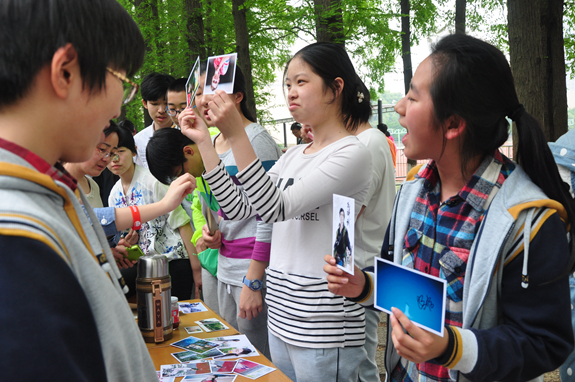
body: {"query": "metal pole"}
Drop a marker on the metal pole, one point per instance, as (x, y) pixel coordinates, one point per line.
(379, 112)
(285, 136)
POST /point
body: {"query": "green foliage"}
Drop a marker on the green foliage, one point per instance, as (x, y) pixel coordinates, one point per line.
(424, 14)
(369, 29)
(485, 19)
(371, 41)
(571, 118)
(569, 35)
(272, 28)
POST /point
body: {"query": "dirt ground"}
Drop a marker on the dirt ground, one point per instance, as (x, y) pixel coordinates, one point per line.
(379, 356)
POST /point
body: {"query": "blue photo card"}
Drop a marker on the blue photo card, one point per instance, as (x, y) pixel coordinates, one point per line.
(421, 297)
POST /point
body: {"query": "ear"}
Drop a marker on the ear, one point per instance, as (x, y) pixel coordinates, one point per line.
(189, 150)
(145, 103)
(65, 69)
(238, 97)
(455, 127)
(136, 153)
(338, 82)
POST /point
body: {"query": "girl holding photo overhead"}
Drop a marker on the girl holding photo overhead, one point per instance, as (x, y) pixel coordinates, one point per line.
(494, 229)
(244, 246)
(314, 335)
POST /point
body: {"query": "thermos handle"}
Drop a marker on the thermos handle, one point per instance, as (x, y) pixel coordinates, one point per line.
(157, 302)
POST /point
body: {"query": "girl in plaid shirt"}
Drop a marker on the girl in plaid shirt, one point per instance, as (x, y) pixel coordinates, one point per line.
(494, 229)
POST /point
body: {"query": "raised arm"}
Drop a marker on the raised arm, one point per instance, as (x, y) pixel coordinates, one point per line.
(345, 172)
(177, 191)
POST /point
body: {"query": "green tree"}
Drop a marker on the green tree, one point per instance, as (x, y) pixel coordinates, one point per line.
(538, 62)
(569, 35)
(329, 21)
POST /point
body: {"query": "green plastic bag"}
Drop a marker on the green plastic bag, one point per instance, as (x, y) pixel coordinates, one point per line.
(209, 260)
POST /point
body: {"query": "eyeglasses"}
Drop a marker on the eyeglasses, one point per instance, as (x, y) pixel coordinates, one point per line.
(174, 112)
(130, 87)
(105, 154)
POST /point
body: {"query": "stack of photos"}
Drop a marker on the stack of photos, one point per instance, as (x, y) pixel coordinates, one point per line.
(216, 348)
(215, 371)
(217, 368)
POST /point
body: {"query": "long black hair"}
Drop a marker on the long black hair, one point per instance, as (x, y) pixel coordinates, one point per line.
(330, 61)
(473, 81)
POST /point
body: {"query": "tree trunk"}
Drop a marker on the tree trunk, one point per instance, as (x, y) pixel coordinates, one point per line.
(460, 16)
(209, 29)
(142, 9)
(243, 49)
(538, 61)
(329, 21)
(156, 21)
(406, 44)
(406, 55)
(195, 26)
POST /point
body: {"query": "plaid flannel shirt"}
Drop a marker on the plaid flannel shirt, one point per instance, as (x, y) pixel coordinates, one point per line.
(439, 239)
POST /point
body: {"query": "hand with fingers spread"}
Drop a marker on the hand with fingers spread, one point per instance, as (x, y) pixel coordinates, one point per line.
(194, 127)
(224, 113)
(417, 345)
(342, 283)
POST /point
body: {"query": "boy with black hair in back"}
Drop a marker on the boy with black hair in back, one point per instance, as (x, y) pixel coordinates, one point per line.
(172, 154)
(62, 300)
(153, 89)
(177, 99)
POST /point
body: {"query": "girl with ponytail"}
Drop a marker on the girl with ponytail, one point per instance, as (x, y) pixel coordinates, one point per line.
(314, 335)
(494, 229)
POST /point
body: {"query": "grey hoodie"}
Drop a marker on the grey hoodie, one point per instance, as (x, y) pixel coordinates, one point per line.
(480, 354)
(34, 206)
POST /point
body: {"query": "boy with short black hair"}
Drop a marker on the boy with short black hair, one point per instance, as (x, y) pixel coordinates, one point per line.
(177, 99)
(61, 298)
(154, 88)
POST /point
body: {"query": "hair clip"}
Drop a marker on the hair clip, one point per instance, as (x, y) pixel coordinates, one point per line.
(359, 97)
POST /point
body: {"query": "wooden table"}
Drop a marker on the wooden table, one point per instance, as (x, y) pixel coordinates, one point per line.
(161, 352)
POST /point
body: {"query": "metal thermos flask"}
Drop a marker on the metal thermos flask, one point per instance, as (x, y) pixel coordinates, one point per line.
(154, 290)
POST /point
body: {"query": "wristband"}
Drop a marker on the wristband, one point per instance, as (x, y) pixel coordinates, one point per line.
(449, 354)
(136, 218)
(366, 292)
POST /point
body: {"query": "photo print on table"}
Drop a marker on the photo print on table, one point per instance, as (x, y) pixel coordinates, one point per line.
(211, 325)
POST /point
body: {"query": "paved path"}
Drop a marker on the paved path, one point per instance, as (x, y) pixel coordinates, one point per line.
(380, 353)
